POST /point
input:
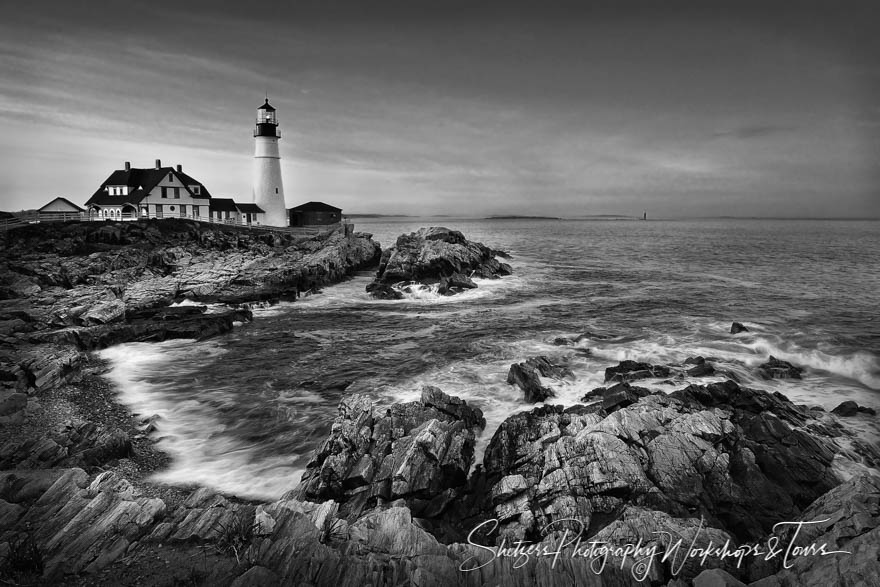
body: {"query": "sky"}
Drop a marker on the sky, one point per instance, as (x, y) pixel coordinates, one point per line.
(683, 109)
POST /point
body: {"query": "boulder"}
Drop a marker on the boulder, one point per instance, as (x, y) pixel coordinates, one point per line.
(850, 408)
(701, 367)
(526, 378)
(736, 328)
(632, 370)
(777, 369)
(435, 255)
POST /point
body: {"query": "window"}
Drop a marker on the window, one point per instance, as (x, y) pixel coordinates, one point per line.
(196, 190)
(176, 193)
(159, 211)
(164, 192)
(171, 208)
(183, 210)
(195, 211)
(276, 190)
(170, 177)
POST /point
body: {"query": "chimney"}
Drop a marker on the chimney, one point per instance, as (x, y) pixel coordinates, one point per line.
(179, 168)
(158, 163)
(128, 165)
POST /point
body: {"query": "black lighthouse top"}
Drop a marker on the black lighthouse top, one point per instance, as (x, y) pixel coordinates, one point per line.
(267, 123)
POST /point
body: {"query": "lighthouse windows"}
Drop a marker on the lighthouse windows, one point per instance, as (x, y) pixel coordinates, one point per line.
(276, 190)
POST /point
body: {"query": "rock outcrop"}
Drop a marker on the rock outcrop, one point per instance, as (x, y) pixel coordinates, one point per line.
(69, 287)
(431, 256)
(419, 452)
(735, 456)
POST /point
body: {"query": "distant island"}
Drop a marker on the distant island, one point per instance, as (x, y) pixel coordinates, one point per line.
(514, 217)
(379, 216)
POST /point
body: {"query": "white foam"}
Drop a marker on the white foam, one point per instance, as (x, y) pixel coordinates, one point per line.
(200, 452)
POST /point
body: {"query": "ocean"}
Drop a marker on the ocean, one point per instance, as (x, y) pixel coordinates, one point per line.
(241, 413)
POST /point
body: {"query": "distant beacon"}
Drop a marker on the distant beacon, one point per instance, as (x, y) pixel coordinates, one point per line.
(268, 187)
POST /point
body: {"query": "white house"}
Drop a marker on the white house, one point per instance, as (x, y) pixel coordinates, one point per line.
(160, 192)
(164, 192)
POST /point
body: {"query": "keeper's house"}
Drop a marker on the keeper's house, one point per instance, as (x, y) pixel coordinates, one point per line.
(314, 213)
(163, 192)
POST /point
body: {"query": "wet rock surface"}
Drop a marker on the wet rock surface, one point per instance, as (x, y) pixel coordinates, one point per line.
(431, 256)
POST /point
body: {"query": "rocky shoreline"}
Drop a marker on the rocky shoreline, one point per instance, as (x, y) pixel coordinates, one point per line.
(393, 496)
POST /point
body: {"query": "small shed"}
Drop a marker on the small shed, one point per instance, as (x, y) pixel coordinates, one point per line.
(60, 209)
(250, 213)
(314, 213)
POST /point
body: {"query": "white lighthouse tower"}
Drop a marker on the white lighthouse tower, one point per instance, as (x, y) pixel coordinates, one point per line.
(268, 187)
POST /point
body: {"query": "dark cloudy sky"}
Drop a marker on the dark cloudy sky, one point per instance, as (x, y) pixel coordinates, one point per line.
(689, 109)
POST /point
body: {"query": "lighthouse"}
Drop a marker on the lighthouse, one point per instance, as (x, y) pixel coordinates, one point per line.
(268, 187)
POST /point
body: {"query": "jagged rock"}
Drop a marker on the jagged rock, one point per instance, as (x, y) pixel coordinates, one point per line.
(736, 328)
(846, 518)
(432, 255)
(420, 452)
(733, 455)
(47, 368)
(777, 369)
(701, 367)
(617, 396)
(75, 443)
(850, 408)
(104, 313)
(525, 376)
(81, 526)
(632, 370)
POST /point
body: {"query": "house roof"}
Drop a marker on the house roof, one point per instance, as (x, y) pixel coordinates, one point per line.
(267, 107)
(249, 207)
(102, 198)
(315, 207)
(66, 201)
(223, 205)
(142, 182)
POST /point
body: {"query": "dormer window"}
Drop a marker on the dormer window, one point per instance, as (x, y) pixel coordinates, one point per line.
(196, 190)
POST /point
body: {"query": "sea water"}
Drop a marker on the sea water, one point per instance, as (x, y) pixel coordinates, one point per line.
(242, 412)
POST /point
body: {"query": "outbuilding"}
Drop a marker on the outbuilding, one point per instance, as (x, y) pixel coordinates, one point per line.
(60, 209)
(314, 213)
